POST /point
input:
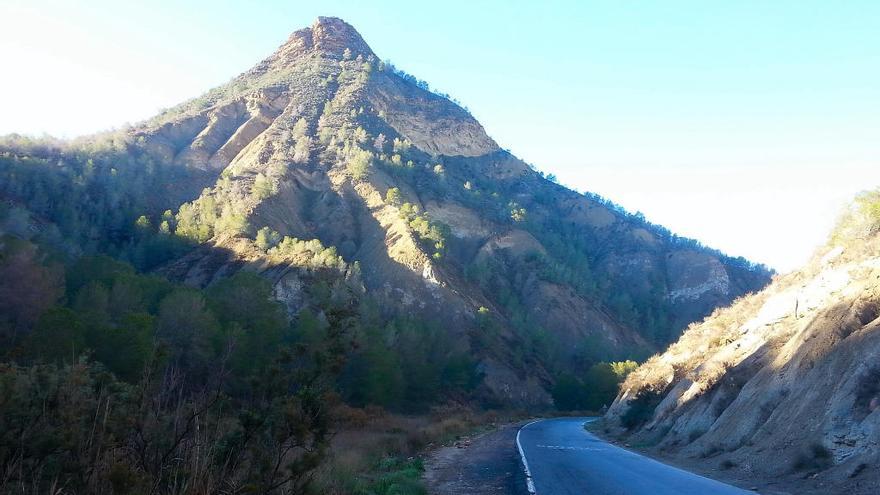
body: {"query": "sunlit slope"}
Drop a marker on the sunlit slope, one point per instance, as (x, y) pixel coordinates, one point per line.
(785, 380)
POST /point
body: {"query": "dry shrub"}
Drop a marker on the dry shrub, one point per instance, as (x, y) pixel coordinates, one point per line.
(370, 436)
(816, 458)
(351, 417)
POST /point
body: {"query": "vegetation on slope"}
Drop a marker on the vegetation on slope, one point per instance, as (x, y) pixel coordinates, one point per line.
(119, 380)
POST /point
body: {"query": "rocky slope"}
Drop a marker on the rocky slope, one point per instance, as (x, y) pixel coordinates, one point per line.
(783, 382)
(324, 160)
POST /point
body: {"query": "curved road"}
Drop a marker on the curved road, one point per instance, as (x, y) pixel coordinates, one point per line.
(562, 458)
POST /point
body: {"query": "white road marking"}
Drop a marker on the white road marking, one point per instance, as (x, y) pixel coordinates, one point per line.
(530, 485)
(569, 447)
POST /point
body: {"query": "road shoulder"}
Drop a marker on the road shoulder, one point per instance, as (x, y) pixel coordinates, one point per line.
(784, 484)
(487, 464)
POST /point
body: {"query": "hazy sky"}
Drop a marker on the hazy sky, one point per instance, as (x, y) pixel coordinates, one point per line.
(743, 124)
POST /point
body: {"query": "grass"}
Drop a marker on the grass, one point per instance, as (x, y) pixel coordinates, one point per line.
(395, 476)
(597, 425)
(380, 453)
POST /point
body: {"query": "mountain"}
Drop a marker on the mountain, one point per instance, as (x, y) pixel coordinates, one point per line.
(783, 382)
(339, 177)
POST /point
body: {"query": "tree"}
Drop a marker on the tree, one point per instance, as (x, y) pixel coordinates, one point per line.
(384, 382)
(300, 128)
(360, 136)
(18, 222)
(254, 323)
(623, 368)
(267, 238)
(567, 393)
(27, 288)
(113, 391)
(143, 223)
(189, 328)
(92, 302)
(263, 187)
(379, 143)
(358, 163)
(189, 224)
(393, 196)
(401, 145)
(598, 388)
(601, 384)
(517, 214)
(125, 348)
(58, 338)
(231, 222)
(460, 373)
(302, 150)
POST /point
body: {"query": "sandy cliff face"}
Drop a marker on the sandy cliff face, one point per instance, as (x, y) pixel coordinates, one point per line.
(784, 382)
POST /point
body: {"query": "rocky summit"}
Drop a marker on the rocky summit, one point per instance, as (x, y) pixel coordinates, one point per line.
(325, 167)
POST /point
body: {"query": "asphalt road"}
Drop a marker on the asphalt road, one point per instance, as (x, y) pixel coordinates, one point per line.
(562, 458)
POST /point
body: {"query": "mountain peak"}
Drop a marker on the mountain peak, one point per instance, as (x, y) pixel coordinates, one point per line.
(313, 144)
(330, 36)
(333, 35)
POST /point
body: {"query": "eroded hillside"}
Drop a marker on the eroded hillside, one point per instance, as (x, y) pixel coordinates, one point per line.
(783, 382)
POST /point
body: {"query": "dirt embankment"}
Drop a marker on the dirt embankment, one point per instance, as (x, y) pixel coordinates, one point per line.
(781, 389)
(783, 484)
(486, 464)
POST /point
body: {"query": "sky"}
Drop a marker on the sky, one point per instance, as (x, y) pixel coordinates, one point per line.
(746, 125)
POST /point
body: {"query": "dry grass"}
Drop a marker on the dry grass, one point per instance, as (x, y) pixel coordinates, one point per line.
(369, 438)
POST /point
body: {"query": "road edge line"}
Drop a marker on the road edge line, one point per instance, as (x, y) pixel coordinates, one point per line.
(530, 484)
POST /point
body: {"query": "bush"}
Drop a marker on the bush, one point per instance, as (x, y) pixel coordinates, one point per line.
(816, 458)
(567, 393)
(624, 368)
(396, 477)
(358, 163)
(861, 220)
(427, 230)
(867, 392)
(598, 388)
(641, 409)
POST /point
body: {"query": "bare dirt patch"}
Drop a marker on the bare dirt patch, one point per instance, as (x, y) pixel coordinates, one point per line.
(486, 464)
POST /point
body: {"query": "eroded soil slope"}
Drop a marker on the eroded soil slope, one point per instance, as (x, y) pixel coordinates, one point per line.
(784, 383)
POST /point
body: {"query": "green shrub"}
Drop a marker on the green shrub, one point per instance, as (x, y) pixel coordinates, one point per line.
(641, 409)
(597, 389)
(396, 476)
(567, 393)
(860, 220)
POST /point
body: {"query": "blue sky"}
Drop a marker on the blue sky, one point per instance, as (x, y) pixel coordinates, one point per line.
(744, 124)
